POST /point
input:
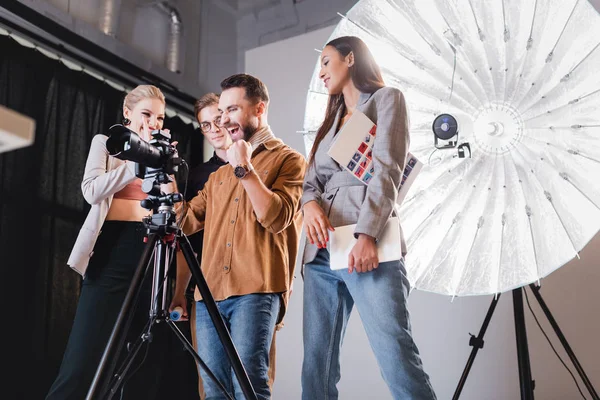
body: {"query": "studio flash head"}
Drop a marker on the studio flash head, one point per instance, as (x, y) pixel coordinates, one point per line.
(445, 127)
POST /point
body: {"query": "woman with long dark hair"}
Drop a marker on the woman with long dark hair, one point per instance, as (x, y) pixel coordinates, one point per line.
(333, 197)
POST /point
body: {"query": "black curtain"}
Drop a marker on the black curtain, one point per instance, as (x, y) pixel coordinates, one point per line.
(42, 208)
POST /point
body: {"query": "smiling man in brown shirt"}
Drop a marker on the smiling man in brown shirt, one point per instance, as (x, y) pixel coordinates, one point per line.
(251, 211)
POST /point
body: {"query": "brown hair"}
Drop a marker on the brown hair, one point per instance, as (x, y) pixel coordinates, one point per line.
(143, 92)
(255, 89)
(207, 100)
(365, 74)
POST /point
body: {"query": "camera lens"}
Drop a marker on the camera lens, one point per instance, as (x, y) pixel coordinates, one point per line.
(125, 144)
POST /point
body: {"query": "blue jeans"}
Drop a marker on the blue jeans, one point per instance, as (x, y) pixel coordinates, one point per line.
(380, 297)
(251, 322)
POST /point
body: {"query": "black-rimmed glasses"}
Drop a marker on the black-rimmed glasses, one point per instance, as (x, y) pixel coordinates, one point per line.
(206, 126)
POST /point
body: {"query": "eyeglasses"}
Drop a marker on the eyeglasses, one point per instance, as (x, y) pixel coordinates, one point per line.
(205, 126)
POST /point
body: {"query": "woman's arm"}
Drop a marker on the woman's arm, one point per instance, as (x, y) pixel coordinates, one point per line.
(312, 187)
(98, 183)
(389, 155)
(316, 223)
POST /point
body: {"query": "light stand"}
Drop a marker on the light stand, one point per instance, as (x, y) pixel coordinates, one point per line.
(527, 384)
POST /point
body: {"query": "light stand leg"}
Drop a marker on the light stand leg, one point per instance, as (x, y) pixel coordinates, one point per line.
(213, 311)
(477, 343)
(525, 380)
(563, 341)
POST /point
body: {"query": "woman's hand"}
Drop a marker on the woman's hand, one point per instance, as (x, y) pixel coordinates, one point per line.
(317, 224)
(363, 256)
(145, 133)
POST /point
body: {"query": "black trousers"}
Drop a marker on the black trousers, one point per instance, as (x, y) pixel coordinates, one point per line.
(116, 256)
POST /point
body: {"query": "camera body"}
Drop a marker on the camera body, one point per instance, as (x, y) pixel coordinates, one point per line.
(169, 157)
(152, 158)
(156, 171)
(155, 161)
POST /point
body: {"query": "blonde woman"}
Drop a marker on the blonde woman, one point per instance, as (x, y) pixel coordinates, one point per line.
(106, 254)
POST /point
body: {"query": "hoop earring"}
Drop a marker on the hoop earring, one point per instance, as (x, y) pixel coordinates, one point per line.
(126, 121)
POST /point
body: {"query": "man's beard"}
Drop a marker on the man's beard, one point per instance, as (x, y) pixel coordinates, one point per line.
(249, 130)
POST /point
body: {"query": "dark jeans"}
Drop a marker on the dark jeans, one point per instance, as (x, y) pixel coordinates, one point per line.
(116, 256)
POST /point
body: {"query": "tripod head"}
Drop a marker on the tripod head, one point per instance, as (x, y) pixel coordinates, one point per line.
(163, 220)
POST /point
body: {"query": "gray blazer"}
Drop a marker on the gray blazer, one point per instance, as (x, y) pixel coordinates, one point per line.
(344, 198)
(103, 177)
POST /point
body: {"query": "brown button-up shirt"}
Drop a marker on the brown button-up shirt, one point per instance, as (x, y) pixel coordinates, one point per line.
(241, 254)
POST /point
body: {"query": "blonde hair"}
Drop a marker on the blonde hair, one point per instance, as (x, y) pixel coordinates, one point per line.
(142, 92)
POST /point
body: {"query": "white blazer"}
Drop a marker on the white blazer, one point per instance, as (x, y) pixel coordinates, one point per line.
(104, 176)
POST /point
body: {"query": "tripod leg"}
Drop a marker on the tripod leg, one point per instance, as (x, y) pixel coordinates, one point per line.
(563, 341)
(522, 347)
(477, 343)
(192, 351)
(115, 343)
(213, 311)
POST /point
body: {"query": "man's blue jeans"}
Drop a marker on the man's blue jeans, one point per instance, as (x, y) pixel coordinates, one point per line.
(380, 297)
(251, 322)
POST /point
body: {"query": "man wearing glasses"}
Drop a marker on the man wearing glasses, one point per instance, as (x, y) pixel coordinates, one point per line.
(208, 115)
(206, 110)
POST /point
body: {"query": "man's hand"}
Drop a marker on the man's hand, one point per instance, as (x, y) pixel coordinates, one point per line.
(239, 153)
(179, 300)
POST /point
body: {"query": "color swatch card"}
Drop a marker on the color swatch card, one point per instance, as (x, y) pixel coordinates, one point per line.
(353, 149)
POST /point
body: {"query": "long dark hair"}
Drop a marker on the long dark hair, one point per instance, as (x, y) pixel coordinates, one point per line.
(365, 74)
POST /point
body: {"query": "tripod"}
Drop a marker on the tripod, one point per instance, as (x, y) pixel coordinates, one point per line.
(527, 385)
(163, 233)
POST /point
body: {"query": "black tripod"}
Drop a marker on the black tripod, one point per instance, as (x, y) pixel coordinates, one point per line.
(526, 383)
(163, 233)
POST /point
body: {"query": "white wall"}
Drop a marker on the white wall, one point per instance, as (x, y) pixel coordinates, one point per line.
(286, 68)
(441, 328)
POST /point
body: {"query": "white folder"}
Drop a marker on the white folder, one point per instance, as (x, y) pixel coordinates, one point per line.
(341, 241)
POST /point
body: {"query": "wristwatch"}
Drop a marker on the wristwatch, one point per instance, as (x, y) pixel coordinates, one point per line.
(242, 170)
